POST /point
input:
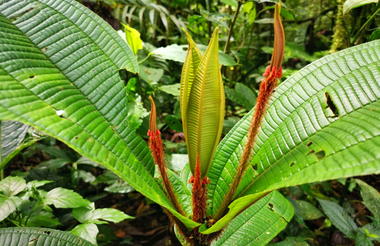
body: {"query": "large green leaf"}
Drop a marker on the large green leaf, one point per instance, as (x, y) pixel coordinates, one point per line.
(323, 123)
(27, 236)
(259, 223)
(59, 68)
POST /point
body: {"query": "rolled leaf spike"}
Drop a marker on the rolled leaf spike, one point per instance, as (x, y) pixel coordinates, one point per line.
(204, 110)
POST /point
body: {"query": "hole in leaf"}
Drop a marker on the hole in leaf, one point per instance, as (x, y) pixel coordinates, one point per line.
(311, 152)
(320, 154)
(254, 166)
(309, 143)
(331, 105)
(292, 164)
(31, 76)
(270, 205)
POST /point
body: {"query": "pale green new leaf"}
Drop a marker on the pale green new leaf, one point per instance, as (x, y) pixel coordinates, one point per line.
(59, 66)
(133, 38)
(350, 4)
(322, 123)
(205, 109)
(28, 236)
(259, 223)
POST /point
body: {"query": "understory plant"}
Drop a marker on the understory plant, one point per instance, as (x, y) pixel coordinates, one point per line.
(60, 72)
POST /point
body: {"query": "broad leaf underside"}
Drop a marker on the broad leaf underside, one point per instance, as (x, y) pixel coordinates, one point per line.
(59, 68)
(322, 123)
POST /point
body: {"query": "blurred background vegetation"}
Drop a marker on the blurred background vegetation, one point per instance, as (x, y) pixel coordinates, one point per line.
(313, 28)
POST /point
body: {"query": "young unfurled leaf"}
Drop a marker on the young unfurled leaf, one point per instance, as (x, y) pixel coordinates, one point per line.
(189, 71)
(202, 103)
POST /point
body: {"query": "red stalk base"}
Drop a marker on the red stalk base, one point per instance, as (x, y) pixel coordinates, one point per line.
(199, 193)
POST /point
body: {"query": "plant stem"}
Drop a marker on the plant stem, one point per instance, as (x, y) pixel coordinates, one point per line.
(267, 87)
(157, 150)
(231, 27)
(199, 194)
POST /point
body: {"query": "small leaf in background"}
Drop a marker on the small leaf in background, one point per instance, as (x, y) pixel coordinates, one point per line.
(242, 95)
(170, 89)
(133, 38)
(339, 218)
(64, 198)
(172, 52)
(351, 4)
(43, 219)
(119, 187)
(178, 162)
(307, 210)
(291, 241)
(99, 216)
(232, 3)
(178, 53)
(87, 232)
(37, 183)
(12, 185)
(249, 9)
(361, 239)
(371, 198)
(8, 205)
(173, 123)
(151, 75)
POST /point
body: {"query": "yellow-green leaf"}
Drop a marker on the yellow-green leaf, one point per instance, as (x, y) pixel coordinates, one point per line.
(205, 108)
(133, 38)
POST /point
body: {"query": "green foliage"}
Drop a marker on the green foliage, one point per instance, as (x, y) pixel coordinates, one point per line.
(339, 218)
(68, 81)
(25, 236)
(342, 220)
(241, 94)
(371, 198)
